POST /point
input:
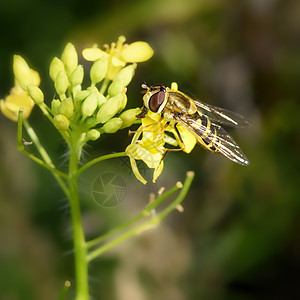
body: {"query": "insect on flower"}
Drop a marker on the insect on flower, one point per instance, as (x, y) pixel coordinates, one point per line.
(201, 119)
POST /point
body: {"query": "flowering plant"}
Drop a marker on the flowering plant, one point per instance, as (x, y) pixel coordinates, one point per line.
(81, 115)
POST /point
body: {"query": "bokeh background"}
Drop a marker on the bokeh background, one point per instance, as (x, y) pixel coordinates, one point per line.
(238, 237)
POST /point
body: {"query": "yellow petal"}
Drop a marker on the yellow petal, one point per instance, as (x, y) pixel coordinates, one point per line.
(7, 112)
(13, 103)
(137, 152)
(137, 52)
(117, 62)
(157, 171)
(93, 54)
(131, 152)
(151, 160)
(151, 118)
(136, 171)
(153, 142)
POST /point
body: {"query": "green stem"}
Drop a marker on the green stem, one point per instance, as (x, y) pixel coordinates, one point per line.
(98, 159)
(150, 223)
(81, 267)
(153, 222)
(43, 164)
(146, 212)
(47, 163)
(104, 86)
(64, 290)
(186, 186)
(45, 109)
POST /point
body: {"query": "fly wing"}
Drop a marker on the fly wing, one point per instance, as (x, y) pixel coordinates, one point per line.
(222, 115)
(216, 136)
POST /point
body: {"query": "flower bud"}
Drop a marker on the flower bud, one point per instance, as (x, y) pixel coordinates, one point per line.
(126, 74)
(89, 105)
(93, 134)
(55, 67)
(129, 116)
(55, 105)
(90, 121)
(116, 87)
(75, 90)
(121, 80)
(101, 99)
(123, 103)
(69, 58)
(77, 76)
(61, 122)
(61, 83)
(99, 69)
(80, 96)
(23, 74)
(112, 125)
(36, 80)
(109, 109)
(35, 94)
(66, 107)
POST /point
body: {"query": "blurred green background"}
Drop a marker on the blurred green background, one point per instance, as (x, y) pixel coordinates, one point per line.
(238, 237)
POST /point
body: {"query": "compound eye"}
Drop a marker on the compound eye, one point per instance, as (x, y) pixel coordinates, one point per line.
(156, 101)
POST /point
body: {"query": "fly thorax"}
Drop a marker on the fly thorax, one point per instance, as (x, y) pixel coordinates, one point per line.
(192, 108)
(168, 115)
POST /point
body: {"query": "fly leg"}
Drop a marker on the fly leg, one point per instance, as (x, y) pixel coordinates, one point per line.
(182, 147)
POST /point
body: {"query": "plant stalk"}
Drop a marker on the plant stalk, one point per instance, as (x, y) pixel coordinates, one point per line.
(81, 265)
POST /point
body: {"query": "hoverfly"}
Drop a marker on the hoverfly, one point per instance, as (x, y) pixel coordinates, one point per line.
(201, 119)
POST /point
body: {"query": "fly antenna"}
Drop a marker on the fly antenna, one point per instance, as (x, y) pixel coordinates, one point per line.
(145, 86)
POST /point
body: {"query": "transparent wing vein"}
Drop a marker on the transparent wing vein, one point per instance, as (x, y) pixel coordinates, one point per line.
(222, 115)
(217, 136)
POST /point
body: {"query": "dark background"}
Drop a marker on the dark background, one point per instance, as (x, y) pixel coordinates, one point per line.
(238, 237)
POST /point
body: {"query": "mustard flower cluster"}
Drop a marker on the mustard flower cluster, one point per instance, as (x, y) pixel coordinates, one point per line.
(89, 111)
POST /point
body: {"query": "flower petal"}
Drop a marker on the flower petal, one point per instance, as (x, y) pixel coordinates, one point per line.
(157, 171)
(116, 62)
(11, 105)
(136, 171)
(93, 54)
(137, 52)
(7, 112)
(138, 152)
(131, 152)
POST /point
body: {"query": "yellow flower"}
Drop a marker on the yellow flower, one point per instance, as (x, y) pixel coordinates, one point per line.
(19, 99)
(15, 101)
(151, 148)
(119, 54)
